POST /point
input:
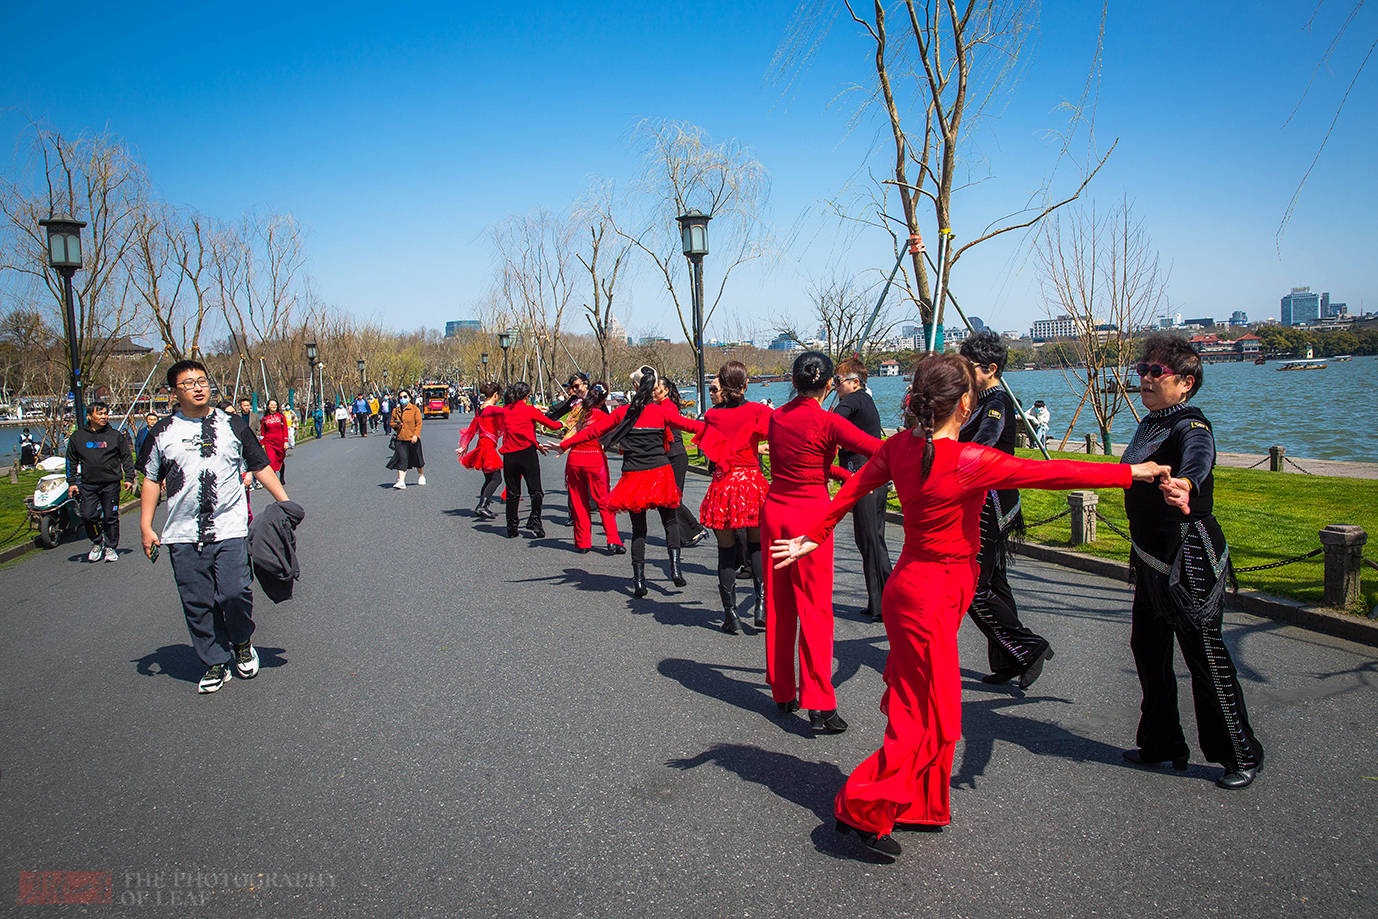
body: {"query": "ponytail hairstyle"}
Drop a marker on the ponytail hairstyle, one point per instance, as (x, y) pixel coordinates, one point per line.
(732, 380)
(671, 391)
(811, 372)
(516, 392)
(936, 391)
(487, 390)
(644, 379)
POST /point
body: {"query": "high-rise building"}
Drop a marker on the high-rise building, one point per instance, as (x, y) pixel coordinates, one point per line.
(1301, 306)
(455, 326)
(908, 330)
(1047, 329)
(1239, 317)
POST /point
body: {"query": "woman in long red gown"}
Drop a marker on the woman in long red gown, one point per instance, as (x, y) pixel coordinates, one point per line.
(803, 440)
(272, 433)
(941, 485)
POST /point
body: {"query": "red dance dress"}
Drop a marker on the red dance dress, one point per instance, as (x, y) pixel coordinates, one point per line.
(799, 599)
(729, 435)
(272, 433)
(908, 778)
(483, 432)
(647, 480)
(586, 479)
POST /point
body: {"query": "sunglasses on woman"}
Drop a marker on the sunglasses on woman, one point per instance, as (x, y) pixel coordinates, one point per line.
(1153, 371)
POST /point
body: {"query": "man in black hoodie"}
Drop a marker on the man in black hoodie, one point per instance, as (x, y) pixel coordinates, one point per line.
(98, 459)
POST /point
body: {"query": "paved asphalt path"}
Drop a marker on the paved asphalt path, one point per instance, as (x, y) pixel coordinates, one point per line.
(451, 723)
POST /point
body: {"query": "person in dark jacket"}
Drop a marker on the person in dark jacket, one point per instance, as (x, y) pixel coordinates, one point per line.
(868, 515)
(98, 459)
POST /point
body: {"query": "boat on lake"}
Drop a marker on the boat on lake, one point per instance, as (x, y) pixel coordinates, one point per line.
(1343, 357)
(1305, 364)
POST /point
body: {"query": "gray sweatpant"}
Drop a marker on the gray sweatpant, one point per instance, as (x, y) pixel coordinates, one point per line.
(214, 582)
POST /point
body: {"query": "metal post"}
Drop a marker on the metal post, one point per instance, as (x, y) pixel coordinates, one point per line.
(73, 349)
(697, 263)
(140, 393)
(238, 370)
(1083, 507)
(939, 294)
(1344, 552)
(866, 331)
(263, 368)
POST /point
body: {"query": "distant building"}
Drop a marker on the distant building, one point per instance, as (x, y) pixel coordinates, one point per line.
(909, 330)
(616, 332)
(1249, 344)
(1239, 317)
(1048, 329)
(127, 347)
(653, 340)
(1300, 306)
(455, 326)
(890, 368)
(956, 334)
(783, 342)
(1332, 309)
(1205, 322)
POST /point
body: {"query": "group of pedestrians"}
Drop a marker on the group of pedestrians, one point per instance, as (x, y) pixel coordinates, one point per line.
(958, 484)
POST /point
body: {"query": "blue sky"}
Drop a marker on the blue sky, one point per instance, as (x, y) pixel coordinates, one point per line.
(362, 119)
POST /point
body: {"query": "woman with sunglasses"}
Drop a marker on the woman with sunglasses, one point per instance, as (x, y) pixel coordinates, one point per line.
(1180, 561)
(942, 485)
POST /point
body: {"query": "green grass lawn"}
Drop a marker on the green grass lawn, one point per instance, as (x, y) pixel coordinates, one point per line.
(13, 513)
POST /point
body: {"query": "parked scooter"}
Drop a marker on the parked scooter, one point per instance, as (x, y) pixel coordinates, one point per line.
(54, 510)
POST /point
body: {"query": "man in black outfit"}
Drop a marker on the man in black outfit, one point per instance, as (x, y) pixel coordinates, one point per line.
(868, 515)
(98, 459)
(1013, 649)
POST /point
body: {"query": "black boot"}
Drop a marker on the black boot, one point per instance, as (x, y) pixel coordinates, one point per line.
(482, 511)
(639, 579)
(730, 623)
(676, 573)
(533, 520)
(760, 620)
(757, 582)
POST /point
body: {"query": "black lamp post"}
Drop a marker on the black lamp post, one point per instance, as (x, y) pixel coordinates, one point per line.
(311, 358)
(504, 342)
(484, 359)
(693, 229)
(360, 364)
(64, 256)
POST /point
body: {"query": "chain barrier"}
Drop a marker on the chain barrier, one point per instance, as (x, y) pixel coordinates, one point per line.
(1371, 563)
(1114, 529)
(1287, 561)
(1259, 463)
(1030, 526)
(1288, 459)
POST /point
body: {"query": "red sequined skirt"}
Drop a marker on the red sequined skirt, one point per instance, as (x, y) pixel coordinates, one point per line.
(482, 455)
(645, 488)
(734, 498)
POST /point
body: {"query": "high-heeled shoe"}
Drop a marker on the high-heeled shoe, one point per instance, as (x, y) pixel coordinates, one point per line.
(884, 844)
(676, 573)
(1138, 758)
(829, 722)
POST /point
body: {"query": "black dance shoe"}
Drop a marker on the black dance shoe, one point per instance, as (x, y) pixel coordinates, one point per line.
(511, 532)
(1000, 677)
(616, 548)
(582, 550)
(829, 722)
(1033, 671)
(639, 579)
(697, 538)
(920, 827)
(1241, 777)
(885, 845)
(1143, 760)
(676, 572)
(787, 708)
(744, 573)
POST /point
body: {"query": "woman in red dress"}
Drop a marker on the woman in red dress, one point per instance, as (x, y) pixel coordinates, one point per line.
(641, 428)
(520, 458)
(586, 476)
(272, 433)
(942, 485)
(483, 432)
(729, 435)
(803, 440)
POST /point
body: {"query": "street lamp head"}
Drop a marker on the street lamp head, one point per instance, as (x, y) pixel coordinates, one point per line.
(504, 340)
(484, 358)
(64, 242)
(311, 351)
(693, 231)
(360, 364)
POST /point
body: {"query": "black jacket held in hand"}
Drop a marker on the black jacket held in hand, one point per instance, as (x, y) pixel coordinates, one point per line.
(273, 548)
(99, 457)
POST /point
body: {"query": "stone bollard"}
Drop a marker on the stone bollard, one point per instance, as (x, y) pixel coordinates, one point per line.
(1090, 445)
(1344, 552)
(1275, 455)
(1083, 507)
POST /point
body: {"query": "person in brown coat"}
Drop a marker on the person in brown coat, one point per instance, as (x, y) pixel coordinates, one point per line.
(406, 425)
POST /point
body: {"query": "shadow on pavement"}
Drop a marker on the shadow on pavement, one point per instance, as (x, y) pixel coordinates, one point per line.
(714, 681)
(181, 663)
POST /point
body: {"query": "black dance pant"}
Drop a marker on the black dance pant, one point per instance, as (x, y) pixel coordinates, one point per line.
(1009, 644)
(492, 481)
(523, 464)
(868, 527)
(668, 520)
(688, 523)
(1222, 723)
(99, 506)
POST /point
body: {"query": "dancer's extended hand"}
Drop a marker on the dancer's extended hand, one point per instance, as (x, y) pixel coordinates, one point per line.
(787, 551)
(1148, 472)
(1176, 492)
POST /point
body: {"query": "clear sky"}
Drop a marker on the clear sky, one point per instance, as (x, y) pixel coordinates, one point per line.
(400, 134)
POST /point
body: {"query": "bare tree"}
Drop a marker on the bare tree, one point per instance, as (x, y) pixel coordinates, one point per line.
(934, 77)
(613, 250)
(1098, 268)
(536, 284)
(684, 170)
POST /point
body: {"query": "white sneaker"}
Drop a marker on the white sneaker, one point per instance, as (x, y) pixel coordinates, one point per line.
(421, 480)
(245, 661)
(111, 555)
(400, 485)
(96, 554)
(218, 675)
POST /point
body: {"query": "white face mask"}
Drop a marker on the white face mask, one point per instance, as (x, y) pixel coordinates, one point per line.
(405, 400)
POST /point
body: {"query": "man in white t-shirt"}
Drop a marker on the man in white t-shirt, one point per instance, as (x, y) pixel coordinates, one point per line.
(200, 454)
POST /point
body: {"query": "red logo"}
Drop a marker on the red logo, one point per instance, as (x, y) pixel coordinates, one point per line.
(56, 887)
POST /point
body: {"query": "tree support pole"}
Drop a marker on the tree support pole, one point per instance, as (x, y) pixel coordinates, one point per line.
(915, 247)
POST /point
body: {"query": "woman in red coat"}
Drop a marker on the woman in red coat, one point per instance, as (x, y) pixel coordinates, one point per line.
(520, 458)
(803, 440)
(483, 432)
(729, 435)
(586, 476)
(642, 429)
(941, 484)
(272, 433)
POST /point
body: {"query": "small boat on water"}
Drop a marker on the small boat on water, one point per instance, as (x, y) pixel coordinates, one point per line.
(1307, 364)
(1343, 357)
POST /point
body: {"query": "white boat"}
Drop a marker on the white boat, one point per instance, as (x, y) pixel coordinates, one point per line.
(1311, 364)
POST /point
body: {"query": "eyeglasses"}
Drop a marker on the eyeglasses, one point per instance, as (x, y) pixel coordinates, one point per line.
(190, 385)
(1153, 371)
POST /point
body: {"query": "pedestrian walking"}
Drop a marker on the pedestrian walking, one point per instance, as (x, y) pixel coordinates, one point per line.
(98, 460)
(803, 439)
(483, 433)
(1181, 565)
(361, 415)
(272, 434)
(407, 454)
(292, 420)
(520, 458)
(200, 453)
(342, 418)
(373, 413)
(385, 411)
(868, 515)
(942, 484)
(150, 420)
